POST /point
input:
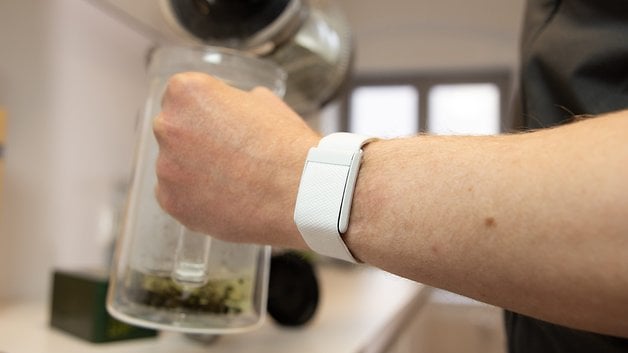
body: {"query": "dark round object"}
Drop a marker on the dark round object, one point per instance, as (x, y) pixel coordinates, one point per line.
(293, 289)
(224, 20)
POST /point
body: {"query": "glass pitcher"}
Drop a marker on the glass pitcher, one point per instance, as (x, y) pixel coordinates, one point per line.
(165, 276)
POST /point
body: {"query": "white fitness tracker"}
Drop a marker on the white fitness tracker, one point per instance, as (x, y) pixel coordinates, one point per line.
(325, 193)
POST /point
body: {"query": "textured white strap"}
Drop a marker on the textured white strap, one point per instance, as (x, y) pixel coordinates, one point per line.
(344, 141)
(326, 191)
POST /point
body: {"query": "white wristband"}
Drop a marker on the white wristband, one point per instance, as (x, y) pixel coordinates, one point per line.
(325, 193)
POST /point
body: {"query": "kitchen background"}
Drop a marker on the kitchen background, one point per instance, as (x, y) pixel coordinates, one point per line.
(72, 82)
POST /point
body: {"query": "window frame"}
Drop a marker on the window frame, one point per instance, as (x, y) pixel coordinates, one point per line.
(424, 81)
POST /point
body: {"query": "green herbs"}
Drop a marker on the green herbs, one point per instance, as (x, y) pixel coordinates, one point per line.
(218, 296)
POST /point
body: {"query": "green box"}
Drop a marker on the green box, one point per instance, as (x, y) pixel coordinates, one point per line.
(78, 307)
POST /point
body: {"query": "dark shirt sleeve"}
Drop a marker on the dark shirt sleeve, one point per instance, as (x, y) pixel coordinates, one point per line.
(574, 62)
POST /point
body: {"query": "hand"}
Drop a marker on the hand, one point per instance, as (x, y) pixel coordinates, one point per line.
(230, 161)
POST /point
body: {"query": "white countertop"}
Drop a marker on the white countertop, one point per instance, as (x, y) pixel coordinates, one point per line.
(361, 310)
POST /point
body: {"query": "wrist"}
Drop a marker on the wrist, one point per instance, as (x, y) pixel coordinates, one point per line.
(290, 179)
(324, 198)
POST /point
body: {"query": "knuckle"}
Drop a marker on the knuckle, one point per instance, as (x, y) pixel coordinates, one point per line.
(177, 87)
(261, 90)
(161, 167)
(166, 131)
(178, 81)
(165, 169)
(165, 199)
(183, 81)
(159, 127)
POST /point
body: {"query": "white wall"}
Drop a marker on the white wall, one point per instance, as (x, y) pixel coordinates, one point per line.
(25, 247)
(71, 80)
(411, 35)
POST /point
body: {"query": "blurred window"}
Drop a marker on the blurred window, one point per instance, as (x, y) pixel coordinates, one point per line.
(385, 111)
(467, 103)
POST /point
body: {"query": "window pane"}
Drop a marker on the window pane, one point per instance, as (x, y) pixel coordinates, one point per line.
(385, 111)
(464, 109)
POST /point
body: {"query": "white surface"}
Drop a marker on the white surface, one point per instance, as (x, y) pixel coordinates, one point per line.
(357, 303)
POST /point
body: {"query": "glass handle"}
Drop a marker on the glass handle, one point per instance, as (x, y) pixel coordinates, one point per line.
(191, 259)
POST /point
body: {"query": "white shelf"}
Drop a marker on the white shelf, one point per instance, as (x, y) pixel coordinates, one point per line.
(361, 310)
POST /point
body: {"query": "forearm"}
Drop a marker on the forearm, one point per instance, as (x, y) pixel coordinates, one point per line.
(532, 222)
(535, 222)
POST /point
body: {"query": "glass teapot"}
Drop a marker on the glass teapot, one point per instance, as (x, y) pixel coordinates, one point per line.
(165, 276)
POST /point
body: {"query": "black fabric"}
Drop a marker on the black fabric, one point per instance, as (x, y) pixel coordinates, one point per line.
(574, 59)
(528, 335)
(574, 62)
